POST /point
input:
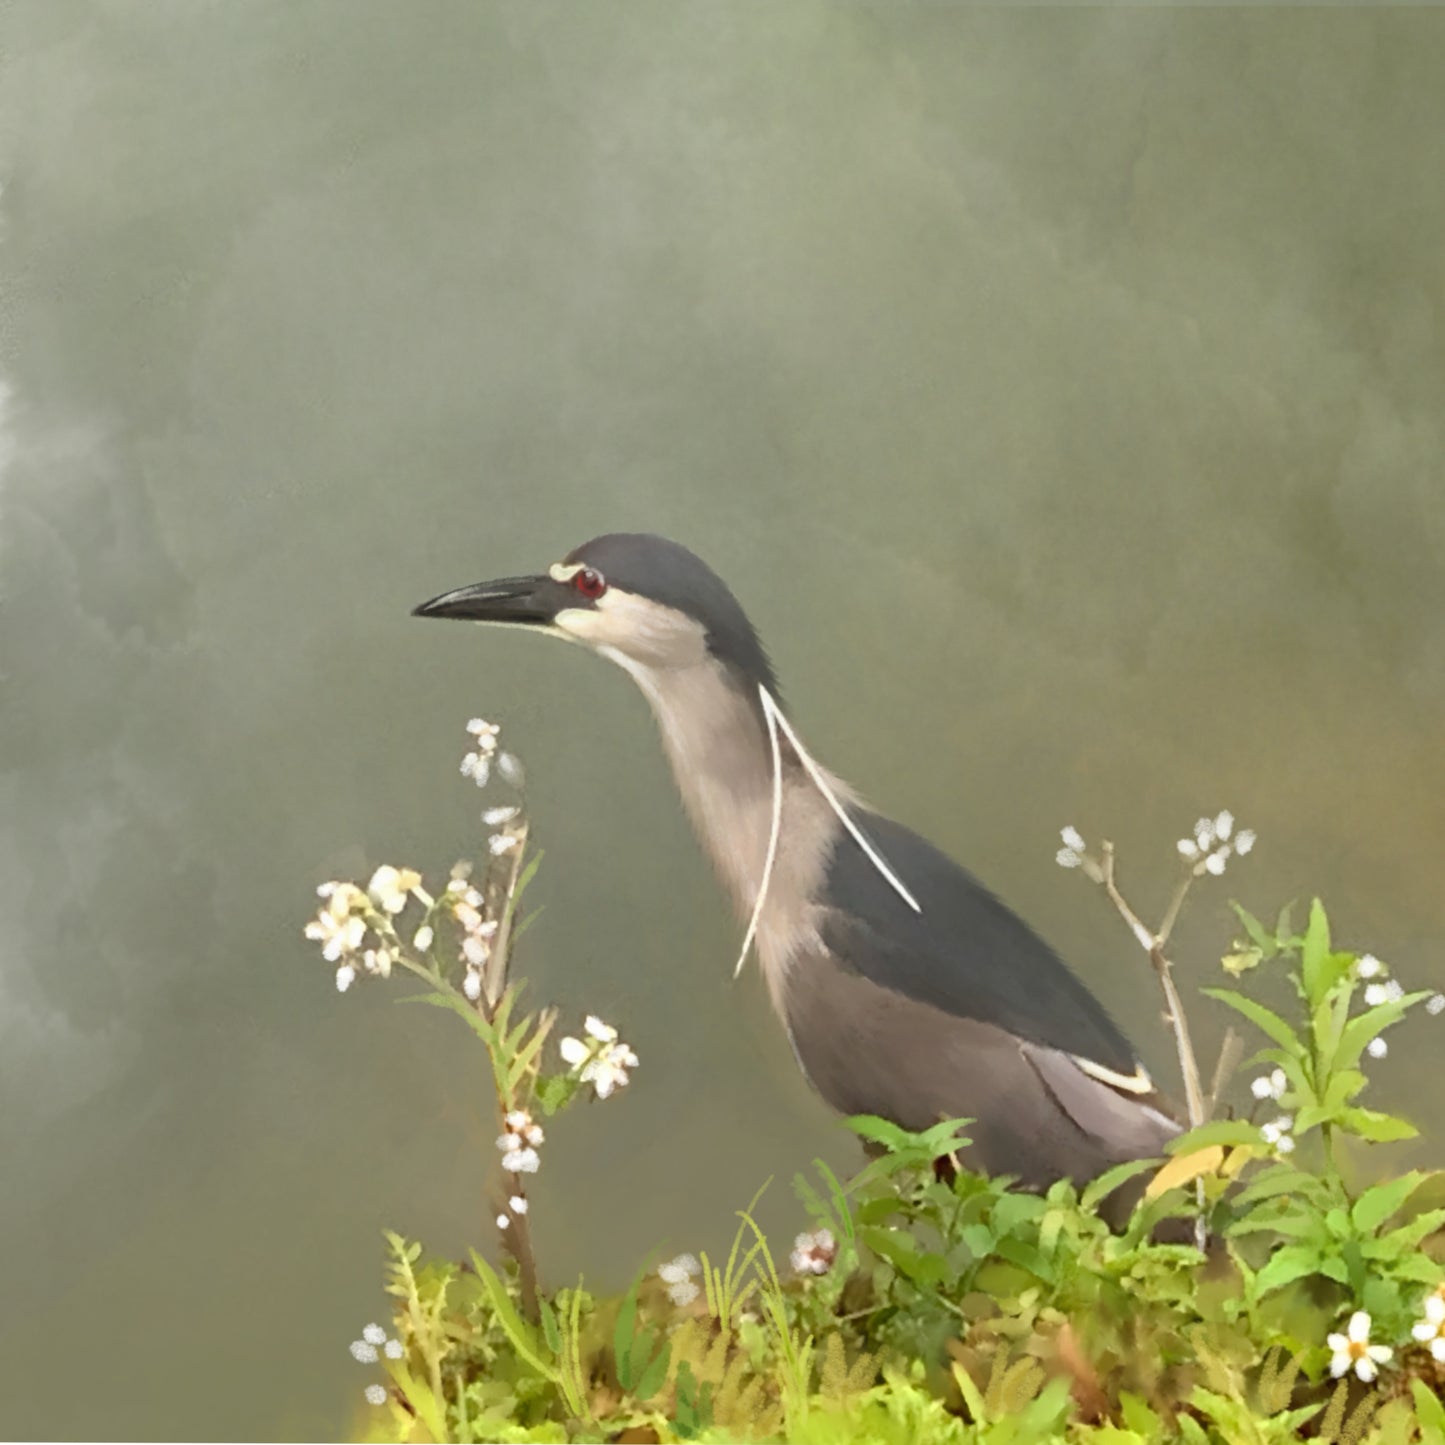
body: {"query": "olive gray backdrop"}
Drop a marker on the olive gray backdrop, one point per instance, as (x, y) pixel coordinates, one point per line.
(1060, 392)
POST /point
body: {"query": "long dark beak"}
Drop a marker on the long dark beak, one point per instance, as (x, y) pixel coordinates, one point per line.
(530, 600)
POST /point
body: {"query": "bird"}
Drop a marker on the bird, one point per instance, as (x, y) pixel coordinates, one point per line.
(907, 989)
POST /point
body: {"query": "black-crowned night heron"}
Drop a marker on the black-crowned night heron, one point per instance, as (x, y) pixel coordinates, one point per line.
(907, 989)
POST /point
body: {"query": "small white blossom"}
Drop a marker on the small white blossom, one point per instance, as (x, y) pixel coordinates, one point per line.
(603, 1033)
(1430, 1330)
(1269, 1086)
(1353, 1349)
(573, 1051)
(1394, 991)
(475, 950)
(390, 886)
(678, 1275)
(375, 1394)
(485, 733)
(510, 767)
(1369, 966)
(1243, 841)
(477, 768)
(393, 1350)
(1285, 1144)
(518, 1204)
(1376, 994)
(1276, 1131)
(336, 927)
(1204, 833)
(1073, 838)
(522, 1161)
(1068, 858)
(472, 985)
(423, 939)
(813, 1253)
(364, 1352)
(1435, 1004)
(374, 1335)
(345, 977)
(1377, 1048)
(519, 1121)
(503, 1220)
(1188, 848)
(1215, 862)
(500, 843)
(1224, 826)
(608, 1071)
(377, 961)
(495, 817)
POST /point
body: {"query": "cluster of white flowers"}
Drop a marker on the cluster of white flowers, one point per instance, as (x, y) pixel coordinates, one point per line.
(1277, 1134)
(507, 838)
(372, 1345)
(477, 765)
(1071, 855)
(603, 1060)
(1380, 988)
(1430, 1329)
(1353, 1350)
(814, 1253)
(466, 904)
(680, 1277)
(342, 924)
(520, 1143)
(1435, 1004)
(517, 1204)
(1214, 842)
(1269, 1086)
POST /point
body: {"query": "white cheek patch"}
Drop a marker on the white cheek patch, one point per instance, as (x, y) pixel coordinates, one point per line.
(565, 571)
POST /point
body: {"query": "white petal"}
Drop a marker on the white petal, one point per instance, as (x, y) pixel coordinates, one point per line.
(1369, 966)
(1243, 841)
(1359, 1327)
(1278, 1082)
(518, 1120)
(573, 1051)
(472, 985)
(494, 817)
(1381, 1354)
(1338, 1343)
(374, 1335)
(375, 1394)
(394, 1350)
(364, 1352)
(1204, 832)
(1285, 1145)
(1425, 1331)
(1377, 1048)
(518, 1204)
(500, 843)
(1375, 995)
(1435, 1004)
(482, 772)
(1215, 863)
(1188, 848)
(599, 1030)
(1366, 1369)
(1067, 858)
(474, 950)
(503, 1220)
(510, 767)
(1261, 1089)
(1437, 1348)
(1224, 825)
(424, 938)
(683, 1294)
(345, 977)
(1435, 1308)
(1073, 838)
(603, 1083)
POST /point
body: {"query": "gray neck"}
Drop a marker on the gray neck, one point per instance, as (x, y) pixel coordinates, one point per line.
(721, 757)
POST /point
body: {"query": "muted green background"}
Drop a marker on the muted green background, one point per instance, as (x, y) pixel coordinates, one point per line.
(1061, 391)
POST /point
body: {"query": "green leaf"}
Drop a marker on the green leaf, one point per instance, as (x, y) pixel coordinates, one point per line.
(1258, 934)
(1359, 1031)
(1222, 1131)
(550, 1330)
(1280, 1179)
(655, 1375)
(1287, 1264)
(1266, 1020)
(522, 1337)
(1377, 1204)
(1429, 1412)
(624, 1336)
(1377, 1127)
(1314, 959)
(1137, 1415)
(1409, 1235)
(1107, 1182)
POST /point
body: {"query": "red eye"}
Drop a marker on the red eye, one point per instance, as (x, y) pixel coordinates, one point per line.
(589, 583)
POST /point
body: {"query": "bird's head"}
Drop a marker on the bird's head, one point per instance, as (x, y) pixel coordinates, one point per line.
(642, 601)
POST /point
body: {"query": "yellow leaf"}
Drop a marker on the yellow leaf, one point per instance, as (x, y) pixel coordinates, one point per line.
(1186, 1167)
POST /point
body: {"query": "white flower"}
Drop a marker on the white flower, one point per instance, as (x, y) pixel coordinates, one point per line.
(1243, 841)
(603, 1033)
(393, 1350)
(377, 961)
(1204, 833)
(1354, 1349)
(1431, 1328)
(1188, 848)
(521, 1161)
(423, 939)
(477, 768)
(573, 1051)
(519, 1121)
(375, 1394)
(1224, 825)
(503, 1220)
(1285, 1144)
(608, 1071)
(678, 1275)
(495, 817)
(1276, 1132)
(364, 1352)
(336, 927)
(813, 1253)
(1376, 994)
(1435, 1004)
(475, 950)
(1269, 1086)
(500, 843)
(1369, 966)
(510, 767)
(345, 977)
(1068, 858)
(374, 1335)
(1377, 1048)
(518, 1204)
(472, 985)
(1215, 862)
(1394, 991)
(1073, 838)
(485, 733)
(390, 886)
